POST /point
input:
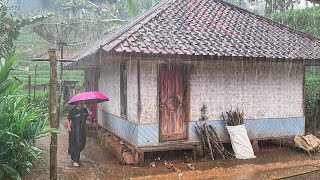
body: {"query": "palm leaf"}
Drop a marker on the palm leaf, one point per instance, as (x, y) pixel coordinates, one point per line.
(6, 66)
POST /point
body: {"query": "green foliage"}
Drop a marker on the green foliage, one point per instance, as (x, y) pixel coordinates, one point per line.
(5, 68)
(313, 72)
(42, 101)
(20, 125)
(312, 98)
(272, 6)
(132, 9)
(306, 20)
(95, 19)
(10, 28)
(153, 2)
(76, 4)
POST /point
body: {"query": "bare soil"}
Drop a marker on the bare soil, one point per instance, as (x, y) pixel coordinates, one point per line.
(272, 162)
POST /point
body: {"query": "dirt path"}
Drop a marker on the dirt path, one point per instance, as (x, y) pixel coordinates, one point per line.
(96, 163)
(246, 171)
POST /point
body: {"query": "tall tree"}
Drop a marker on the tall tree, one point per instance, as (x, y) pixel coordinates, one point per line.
(273, 6)
(306, 20)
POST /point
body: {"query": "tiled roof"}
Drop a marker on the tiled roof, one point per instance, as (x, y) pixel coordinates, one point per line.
(208, 27)
(315, 1)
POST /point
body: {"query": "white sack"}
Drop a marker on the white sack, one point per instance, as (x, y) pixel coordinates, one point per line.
(240, 142)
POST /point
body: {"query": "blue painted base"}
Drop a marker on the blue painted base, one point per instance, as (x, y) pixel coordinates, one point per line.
(257, 128)
(119, 126)
(148, 134)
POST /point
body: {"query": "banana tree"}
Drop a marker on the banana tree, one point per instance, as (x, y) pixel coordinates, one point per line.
(98, 19)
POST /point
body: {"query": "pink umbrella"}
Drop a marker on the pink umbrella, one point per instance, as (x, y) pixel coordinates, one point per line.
(90, 97)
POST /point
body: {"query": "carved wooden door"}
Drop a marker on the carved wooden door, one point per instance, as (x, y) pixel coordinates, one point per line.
(172, 98)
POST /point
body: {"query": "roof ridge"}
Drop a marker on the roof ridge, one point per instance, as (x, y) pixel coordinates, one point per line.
(270, 21)
(123, 29)
(144, 18)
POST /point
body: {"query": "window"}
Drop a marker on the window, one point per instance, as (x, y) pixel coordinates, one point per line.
(123, 90)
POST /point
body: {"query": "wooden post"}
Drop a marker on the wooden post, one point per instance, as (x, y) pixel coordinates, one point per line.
(255, 146)
(35, 83)
(29, 88)
(53, 113)
(60, 86)
(139, 89)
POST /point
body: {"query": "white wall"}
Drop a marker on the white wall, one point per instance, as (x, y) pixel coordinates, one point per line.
(109, 83)
(261, 90)
(132, 95)
(149, 97)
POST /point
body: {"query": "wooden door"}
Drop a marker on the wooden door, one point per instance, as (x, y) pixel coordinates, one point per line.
(172, 94)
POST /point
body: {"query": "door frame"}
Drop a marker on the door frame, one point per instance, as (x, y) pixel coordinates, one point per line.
(186, 79)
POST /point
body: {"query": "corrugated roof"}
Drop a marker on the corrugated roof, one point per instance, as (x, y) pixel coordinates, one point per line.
(207, 27)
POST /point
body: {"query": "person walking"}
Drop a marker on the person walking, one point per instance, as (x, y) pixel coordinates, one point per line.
(76, 124)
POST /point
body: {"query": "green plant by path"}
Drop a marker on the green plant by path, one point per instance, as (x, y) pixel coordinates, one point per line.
(20, 125)
(42, 101)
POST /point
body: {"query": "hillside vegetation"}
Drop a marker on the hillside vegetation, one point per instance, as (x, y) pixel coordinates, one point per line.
(308, 21)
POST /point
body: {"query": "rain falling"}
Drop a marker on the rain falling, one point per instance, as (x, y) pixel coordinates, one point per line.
(159, 89)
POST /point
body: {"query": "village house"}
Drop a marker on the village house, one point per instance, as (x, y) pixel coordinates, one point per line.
(162, 67)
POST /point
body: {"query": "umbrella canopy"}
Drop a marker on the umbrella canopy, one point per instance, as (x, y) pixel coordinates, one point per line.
(90, 97)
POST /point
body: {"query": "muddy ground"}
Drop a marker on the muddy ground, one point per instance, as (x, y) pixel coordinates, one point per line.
(272, 162)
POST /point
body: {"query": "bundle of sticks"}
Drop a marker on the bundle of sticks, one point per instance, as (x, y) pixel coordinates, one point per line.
(233, 118)
(210, 142)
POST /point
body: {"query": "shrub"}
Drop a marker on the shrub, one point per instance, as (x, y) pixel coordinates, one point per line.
(306, 20)
(42, 101)
(312, 97)
(20, 125)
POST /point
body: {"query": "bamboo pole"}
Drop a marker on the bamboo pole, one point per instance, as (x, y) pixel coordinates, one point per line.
(35, 83)
(208, 140)
(29, 88)
(53, 113)
(61, 84)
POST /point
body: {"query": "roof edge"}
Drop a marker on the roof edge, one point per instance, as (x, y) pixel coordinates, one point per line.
(195, 58)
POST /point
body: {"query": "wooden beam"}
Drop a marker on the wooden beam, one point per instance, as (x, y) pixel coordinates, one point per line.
(303, 91)
(46, 59)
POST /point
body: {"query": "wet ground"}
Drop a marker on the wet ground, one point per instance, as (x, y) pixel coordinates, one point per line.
(272, 162)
